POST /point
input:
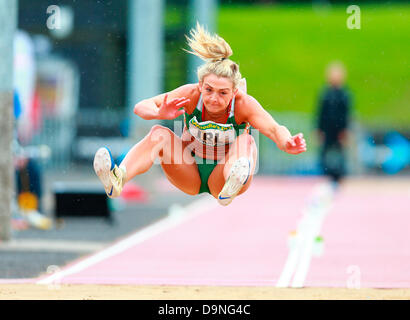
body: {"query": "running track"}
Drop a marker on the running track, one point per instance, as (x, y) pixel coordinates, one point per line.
(266, 237)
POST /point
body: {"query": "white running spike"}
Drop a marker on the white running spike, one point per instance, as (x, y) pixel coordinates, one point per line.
(108, 172)
(238, 176)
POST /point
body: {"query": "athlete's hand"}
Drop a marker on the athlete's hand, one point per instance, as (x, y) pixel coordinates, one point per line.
(295, 144)
(171, 109)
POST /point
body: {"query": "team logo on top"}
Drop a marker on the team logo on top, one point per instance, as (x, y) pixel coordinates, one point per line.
(211, 133)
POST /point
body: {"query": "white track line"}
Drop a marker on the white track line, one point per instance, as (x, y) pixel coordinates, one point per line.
(313, 231)
(299, 257)
(289, 268)
(177, 216)
(51, 246)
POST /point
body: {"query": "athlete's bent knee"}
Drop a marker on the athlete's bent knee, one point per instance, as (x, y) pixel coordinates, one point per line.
(161, 137)
(245, 143)
(247, 138)
(158, 129)
(159, 133)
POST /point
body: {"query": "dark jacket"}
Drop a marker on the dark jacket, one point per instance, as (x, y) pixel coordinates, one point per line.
(333, 112)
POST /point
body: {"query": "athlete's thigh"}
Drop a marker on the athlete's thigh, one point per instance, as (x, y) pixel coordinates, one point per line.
(179, 165)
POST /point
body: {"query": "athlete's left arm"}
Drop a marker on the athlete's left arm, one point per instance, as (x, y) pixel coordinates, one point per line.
(261, 120)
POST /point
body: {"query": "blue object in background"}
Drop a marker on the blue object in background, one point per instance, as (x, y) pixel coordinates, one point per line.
(125, 127)
(399, 156)
(367, 151)
(17, 105)
(121, 157)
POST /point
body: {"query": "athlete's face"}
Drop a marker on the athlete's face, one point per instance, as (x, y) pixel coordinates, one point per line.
(217, 92)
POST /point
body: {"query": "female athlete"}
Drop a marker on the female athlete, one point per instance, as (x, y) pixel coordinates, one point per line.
(215, 154)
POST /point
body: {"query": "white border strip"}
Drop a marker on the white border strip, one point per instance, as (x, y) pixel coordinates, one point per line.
(178, 216)
(315, 225)
(51, 246)
(299, 257)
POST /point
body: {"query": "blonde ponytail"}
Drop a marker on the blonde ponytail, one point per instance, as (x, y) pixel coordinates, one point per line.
(215, 51)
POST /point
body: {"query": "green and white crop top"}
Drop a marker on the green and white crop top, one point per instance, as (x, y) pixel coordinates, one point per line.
(210, 135)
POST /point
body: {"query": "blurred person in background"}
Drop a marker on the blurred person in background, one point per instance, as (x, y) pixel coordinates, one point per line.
(26, 110)
(216, 154)
(333, 118)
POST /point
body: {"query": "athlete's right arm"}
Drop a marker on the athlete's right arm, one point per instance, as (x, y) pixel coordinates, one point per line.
(165, 106)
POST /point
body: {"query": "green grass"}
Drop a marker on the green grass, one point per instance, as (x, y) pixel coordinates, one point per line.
(284, 50)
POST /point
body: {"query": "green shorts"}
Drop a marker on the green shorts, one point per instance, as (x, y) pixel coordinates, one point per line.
(205, 168)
